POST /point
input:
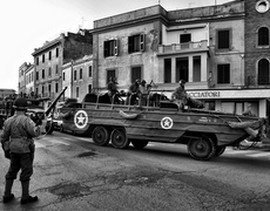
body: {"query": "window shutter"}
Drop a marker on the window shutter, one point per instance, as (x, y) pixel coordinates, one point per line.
(116, 47)
(142, 42)
(129, 44)
(105, 52)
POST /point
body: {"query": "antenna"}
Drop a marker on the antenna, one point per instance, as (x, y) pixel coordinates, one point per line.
(159, 2)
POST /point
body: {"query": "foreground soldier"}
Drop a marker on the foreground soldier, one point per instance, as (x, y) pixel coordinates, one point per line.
(18, 144)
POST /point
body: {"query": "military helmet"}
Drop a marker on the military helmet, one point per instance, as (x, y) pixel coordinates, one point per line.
(20, 103)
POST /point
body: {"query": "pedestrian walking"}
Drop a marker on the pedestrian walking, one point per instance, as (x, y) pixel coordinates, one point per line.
(18, 145)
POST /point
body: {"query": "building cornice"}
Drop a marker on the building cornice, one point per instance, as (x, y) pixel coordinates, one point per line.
(47, 45)
(127, 24)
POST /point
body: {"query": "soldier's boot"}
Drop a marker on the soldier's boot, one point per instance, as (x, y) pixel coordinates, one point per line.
(8, 196)
(26, 198)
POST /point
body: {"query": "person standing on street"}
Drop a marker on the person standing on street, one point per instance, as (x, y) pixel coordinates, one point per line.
(18, 145)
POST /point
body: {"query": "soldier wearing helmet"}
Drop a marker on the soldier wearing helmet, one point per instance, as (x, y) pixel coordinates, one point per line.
(18, 144)
(179, 96)
(133, 92)
(112, 87)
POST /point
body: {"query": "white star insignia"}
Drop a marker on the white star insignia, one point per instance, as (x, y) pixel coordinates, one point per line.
(80, 119)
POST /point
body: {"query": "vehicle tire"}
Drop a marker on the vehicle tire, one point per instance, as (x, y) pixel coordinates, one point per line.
(119, 139)
(139, 144)
(100, 136)
(201, 148)
(220, 150)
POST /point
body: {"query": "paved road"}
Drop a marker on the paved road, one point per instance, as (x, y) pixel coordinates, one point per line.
(71, 173)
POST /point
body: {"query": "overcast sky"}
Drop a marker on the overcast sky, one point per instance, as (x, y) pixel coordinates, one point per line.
(27, 24)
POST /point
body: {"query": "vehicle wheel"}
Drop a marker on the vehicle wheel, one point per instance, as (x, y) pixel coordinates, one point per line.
(119, 139)
(220, 150)
(100, 136)
(139, 144)
(202, 148)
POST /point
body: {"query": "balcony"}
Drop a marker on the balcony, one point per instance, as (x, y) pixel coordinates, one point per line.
(189, 47)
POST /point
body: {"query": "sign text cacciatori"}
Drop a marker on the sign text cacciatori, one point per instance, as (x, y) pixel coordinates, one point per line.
(205, 94)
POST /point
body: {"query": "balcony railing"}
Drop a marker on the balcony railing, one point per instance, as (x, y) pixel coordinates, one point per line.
(178, 48)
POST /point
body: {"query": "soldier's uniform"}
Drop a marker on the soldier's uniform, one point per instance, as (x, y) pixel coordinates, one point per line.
(18, 144)
(179, 96)
(112, 87)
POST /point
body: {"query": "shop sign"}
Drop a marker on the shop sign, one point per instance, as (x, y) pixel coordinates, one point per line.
(205, 94)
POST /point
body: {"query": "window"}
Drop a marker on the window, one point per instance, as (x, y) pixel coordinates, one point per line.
(262, 6)
(43, 90)
(75, 75)
(50, 71)
(167, 70)
(110, 73)
(43, 58)
(64, 76)
(136, 43)
(77, 92)
(50, 55)
(223, 39)
(136, 73)
(56, 69)
(110, 48)
(210, 105)
(37, 61)
(90, 71)
(81, 73)
(43, 74)
(57, 52)
(184, 40)
(263, 36)
(263, 72)
(56, 88)
(182, 69)
(223, 73)
(37, 78)
(49, 88)
(196, 68)
(89, 88)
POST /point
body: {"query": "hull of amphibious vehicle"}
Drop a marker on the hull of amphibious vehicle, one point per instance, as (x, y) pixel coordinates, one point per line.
(206, 133)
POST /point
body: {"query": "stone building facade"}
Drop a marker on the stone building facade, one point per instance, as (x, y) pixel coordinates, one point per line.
(257, 53)
(22, 77)
(222, 51)
(29, 80)
(205, 46)
(77, 76)
(50, 58)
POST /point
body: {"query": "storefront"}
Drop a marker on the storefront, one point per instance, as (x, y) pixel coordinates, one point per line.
(235, 101)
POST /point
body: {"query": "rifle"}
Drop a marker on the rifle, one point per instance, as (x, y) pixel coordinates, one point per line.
(151, 84)
(49, 109)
